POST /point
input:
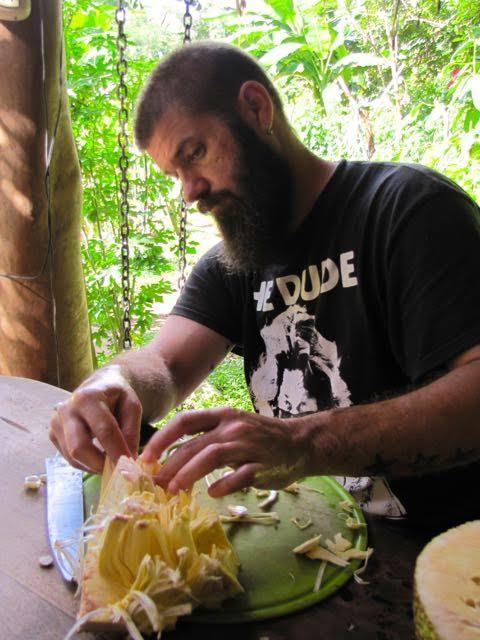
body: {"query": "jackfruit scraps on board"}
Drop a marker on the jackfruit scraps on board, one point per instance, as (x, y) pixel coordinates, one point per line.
(151, 556)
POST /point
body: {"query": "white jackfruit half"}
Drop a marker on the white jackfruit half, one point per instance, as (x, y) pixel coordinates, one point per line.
(447, 586)
(150, 556)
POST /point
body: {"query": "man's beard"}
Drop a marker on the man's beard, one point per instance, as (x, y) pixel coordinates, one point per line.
(254, 221)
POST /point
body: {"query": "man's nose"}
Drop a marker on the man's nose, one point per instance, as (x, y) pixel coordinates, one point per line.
(194, 187)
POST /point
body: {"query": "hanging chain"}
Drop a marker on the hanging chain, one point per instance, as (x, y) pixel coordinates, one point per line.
(182, 245)
(187, 21)
(120, 16)
(182, 232)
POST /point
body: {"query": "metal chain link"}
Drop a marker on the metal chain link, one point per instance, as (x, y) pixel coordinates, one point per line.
(182, 232)
(187, 21)
(123, 162)
(182, 245)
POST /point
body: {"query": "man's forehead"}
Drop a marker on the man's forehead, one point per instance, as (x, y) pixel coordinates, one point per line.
(168, 133)
(175, 128)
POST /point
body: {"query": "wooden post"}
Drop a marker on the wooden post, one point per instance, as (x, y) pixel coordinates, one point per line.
(44, 330)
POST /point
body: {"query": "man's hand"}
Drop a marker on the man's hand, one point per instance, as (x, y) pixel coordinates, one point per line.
(264, 452)
(104, 408)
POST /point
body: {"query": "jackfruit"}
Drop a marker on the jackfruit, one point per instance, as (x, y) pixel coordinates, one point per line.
(447, 586)
(150, 556)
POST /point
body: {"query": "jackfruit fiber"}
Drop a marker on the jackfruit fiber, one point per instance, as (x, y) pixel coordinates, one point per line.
(447, 586)
(151, 556)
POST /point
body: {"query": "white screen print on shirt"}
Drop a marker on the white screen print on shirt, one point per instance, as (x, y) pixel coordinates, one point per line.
(295, 350)
(296, 353)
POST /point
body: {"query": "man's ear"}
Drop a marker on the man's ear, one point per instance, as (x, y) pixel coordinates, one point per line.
(256, 106)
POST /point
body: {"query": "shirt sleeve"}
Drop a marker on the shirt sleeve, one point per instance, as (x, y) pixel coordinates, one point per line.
(213, 298)
(433, 282)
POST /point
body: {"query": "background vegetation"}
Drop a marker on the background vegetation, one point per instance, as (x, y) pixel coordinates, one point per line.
(363, 79)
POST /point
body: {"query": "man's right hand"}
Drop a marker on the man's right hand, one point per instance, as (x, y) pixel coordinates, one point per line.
(102, 417)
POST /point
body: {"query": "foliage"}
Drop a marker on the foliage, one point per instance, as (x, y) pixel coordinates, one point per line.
(389, 81)
(225, 387)
(92, 81)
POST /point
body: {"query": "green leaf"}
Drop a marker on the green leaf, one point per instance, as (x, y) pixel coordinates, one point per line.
(475, 89)
(81, 20)
(91, 19)
(320, 38)
(275, 55)
(361, 60)
(474, 151)
(472, 117)
(284, 9)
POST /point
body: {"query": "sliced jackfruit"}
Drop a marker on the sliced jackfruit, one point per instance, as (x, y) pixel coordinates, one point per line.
(150, 556)
(447, 586)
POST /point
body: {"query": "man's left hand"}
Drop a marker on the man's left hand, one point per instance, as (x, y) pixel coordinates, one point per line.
(263, 452)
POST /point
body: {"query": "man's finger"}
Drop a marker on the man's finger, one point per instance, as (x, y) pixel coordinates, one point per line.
(56, 435)
(241, 478)
(129, 415)
(57, 438)
(188, 423)
(184, 472)
(181, 456)
(106, 429)
(80, 448)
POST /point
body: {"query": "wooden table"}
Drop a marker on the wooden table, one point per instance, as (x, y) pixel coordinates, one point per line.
(36, 604)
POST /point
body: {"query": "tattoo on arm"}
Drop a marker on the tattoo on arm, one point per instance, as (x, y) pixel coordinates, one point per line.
(380, 467)
(423, 463)
(463, 456)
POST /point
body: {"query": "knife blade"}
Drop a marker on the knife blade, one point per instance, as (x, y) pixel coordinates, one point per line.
(64, 514)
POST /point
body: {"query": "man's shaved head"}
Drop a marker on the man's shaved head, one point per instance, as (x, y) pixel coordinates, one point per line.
(204, 77)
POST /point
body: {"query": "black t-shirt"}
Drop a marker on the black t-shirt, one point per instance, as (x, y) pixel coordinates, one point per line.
(379, 290)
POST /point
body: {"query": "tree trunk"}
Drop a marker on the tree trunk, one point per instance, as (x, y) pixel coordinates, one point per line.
(44, 330)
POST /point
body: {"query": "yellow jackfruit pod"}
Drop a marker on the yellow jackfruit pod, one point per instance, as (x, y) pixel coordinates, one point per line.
(150, 556)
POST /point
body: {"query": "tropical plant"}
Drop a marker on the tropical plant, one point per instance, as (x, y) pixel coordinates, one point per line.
(368, 79)
(92, 80)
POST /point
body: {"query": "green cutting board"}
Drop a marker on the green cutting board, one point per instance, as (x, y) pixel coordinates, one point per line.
(277, 581)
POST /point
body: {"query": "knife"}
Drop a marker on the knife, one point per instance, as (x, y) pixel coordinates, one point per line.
(64, 514)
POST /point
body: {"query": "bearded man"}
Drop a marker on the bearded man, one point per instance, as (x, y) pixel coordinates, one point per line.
(351, 289)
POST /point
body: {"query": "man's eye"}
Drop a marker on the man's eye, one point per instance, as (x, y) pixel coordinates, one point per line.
(197, 153)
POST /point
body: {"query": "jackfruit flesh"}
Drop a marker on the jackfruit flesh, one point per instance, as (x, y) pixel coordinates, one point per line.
(447, 586)
(151, 556)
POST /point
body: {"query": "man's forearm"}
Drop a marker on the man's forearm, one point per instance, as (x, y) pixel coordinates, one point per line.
(164, 372)
(432, 428)
(149, 376)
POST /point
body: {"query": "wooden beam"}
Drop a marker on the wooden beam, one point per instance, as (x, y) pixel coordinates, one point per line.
(44, 330)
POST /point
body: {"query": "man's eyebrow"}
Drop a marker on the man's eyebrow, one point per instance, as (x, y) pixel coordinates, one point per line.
(180, 147)
(178, 152)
